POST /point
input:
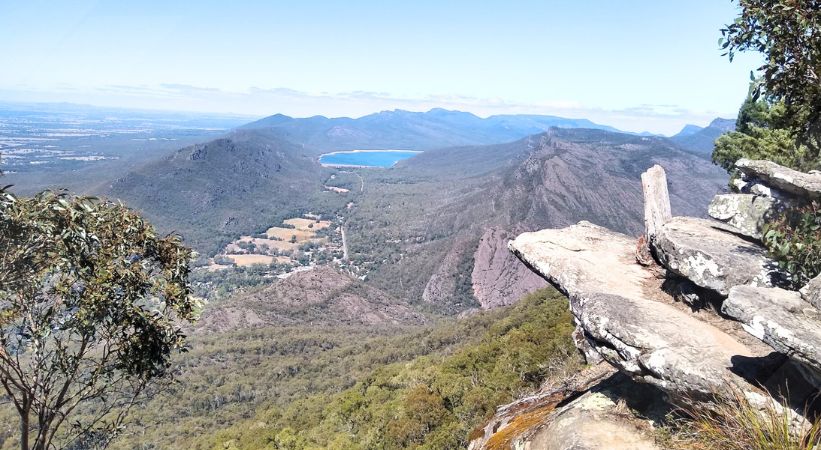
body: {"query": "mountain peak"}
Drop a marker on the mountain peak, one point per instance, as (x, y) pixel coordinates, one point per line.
(688, 130)
(724, 125)
(701, 140)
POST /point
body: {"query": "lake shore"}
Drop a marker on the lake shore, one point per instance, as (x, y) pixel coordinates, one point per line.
(359, 159)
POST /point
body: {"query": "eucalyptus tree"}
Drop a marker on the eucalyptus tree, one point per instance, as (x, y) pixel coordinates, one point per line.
(91, 305)
(781, 119)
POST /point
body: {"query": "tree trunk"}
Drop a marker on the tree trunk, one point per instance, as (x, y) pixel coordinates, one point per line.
(24, 431)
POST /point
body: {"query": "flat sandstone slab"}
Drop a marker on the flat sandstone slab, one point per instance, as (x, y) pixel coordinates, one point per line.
(779, 318)
(806, 185)
(624, 313)
(712, 255)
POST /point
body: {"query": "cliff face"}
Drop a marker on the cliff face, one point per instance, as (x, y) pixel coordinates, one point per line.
(498, 277)
(549, 180)
(656, 319)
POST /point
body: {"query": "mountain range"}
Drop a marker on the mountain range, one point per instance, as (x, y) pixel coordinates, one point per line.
(425, 246)
(426, 231)
(451, 210)
(701, 140)
(409, 130)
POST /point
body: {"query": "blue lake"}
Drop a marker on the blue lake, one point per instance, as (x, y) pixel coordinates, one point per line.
(366, 158)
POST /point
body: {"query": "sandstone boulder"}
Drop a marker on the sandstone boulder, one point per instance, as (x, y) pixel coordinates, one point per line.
(626, 316)
(712, 255)
(592, 422)
(746, 212)
(591, 410)
(781, 319)
(800, 184)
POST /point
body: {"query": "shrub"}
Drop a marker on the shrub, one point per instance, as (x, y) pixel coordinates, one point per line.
(794, 240)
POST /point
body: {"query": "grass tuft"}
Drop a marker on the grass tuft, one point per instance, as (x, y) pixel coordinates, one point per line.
(731, 422)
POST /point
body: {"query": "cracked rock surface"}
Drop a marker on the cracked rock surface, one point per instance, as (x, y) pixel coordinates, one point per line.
(746, 212)
(624, 313)
(713, 255)
(780, 318)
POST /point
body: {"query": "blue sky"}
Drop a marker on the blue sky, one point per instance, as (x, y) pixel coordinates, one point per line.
(636, 65)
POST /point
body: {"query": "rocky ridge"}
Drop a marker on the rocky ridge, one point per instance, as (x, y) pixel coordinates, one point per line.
(321, 296)
(706, 315)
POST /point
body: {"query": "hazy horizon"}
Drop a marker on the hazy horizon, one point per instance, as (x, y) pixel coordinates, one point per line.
(638, 67)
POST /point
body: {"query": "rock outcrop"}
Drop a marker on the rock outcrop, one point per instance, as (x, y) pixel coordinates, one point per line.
(745, 212)
(626, 316)
(712, 255)
(628, 310)
(592, 422)
(774, 176)
(584, 412)
(781, 319)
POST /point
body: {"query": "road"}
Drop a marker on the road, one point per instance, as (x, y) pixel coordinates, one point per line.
(344, 245)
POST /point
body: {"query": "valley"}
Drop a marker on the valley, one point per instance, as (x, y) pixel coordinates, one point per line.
(327, 225)
(315, 275)
(260, 202)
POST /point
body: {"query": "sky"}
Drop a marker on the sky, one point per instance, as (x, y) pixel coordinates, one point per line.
(634, 64)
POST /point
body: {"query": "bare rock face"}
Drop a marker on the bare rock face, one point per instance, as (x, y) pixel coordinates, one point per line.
(800, 184)
(745, 212)
(583, 412)
(592, 422)
(713, 256)
(586, 346)
(626, 315)
(442, 287)
(781, 319)
(499, 278)
(812, 292)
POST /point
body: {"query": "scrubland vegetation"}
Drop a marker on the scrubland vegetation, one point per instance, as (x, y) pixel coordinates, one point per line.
(349, 386)
(433, 400)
